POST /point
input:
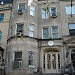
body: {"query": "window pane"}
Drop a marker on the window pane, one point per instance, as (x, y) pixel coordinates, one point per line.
(31, 34)
(31, 30)
(44, 14)
(54, 29)
(1, 17)
(32, 10)
(0, 36)
(72, 29)
(54, 32)
(45, 33)
(20, 28)
(68, 9)
(71, 26)
(31, 58)
(22, 6)
(53, 10)
(55, 35)
(18, 54)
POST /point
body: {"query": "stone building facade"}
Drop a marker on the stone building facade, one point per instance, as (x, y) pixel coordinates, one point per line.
(41, 36)
(5, 11)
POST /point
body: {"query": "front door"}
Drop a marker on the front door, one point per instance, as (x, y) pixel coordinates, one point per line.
(52, 62)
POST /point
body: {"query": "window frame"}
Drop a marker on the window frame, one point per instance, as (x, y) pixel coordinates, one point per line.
(32, 12)
(52, 33)
(23, 9)
(46, 15)
(31, 31)
(68, 8)
(43, 33)
(20, 61)
(71, 34)
(18, 31)
(33, 60)
(51, 11)
(1, 17)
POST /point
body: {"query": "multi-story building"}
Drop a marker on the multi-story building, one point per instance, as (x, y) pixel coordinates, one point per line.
(41, 36)
(5, 10)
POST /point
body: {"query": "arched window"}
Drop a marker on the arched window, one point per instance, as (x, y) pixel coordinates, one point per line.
(0, 36)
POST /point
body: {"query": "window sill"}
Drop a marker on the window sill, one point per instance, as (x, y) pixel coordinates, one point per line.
(31, 66)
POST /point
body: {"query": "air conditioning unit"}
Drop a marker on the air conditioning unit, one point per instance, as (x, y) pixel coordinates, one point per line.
(53, 15)
(17, 64)
(20, 11)
(19, 34)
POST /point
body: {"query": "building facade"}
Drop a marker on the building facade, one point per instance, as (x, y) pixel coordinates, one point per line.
(41, 36)
(5, 10)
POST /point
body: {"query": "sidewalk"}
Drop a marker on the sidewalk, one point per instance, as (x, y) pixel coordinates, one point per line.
(45, 74)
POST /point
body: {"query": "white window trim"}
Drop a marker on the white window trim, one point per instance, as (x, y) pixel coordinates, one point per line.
(34, 11)
(16, 27)
(18, 6)
(50, 11)
(42, 32)
(33, 66)
(32, 31)
(52, 33)
(44, 13)
(70, 10)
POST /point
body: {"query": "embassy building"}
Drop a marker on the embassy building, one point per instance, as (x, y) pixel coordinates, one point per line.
(41, 37)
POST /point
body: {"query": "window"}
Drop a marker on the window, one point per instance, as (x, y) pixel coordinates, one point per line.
(31, 30)
(17, 60)
(1, 17)
(53, 12)
(45, 33)
(32, 10)
(44, 14)
(12, 14)
(55, 32)
(68, 9)
(31, 59)
(0, 36)
(20, 29)
(72, 29)
(21, 7)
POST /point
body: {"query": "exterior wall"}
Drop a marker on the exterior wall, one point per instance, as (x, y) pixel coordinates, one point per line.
(37, 44)
(25, 45)
(4, 25)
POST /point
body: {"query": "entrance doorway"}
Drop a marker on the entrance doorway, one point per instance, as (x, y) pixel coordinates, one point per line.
(52, 62)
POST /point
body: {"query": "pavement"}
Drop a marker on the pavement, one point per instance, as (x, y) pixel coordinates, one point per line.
(45, 74)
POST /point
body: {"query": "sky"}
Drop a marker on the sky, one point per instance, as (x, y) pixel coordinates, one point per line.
(6, 1)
